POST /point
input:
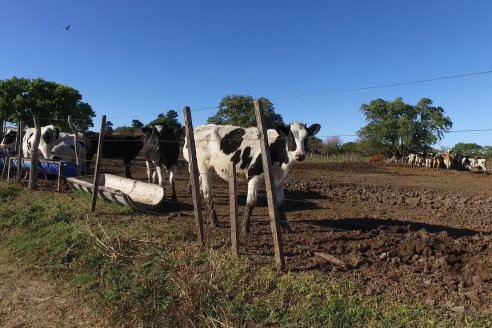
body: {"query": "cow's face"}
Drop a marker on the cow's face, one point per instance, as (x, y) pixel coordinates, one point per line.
(49, 138)
(8, 140)
(296, 134)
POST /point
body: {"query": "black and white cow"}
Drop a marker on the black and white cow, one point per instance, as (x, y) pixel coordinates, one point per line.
(115, 147)
(218, 145)
(8, 140)
(48, 140)
(161, 151)
(474, 162)
(65, 148)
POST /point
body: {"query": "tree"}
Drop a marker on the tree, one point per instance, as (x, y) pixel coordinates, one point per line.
(332, 145)
(398, 128)
(170, 119)
(239, 110)
(51, 102)
(136, 124)
(108, 128)
(467, 149)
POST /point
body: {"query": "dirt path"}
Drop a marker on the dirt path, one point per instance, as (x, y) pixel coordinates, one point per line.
(28, 300)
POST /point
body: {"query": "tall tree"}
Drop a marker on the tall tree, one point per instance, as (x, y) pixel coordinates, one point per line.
(170, 119)
(399, 128)
(467, 149)
(239, 110)
(136, 124)
(49, 101)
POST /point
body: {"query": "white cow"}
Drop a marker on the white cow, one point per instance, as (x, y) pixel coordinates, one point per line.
(475, 162)
(49, 138)
(218, 145)
(65, 148)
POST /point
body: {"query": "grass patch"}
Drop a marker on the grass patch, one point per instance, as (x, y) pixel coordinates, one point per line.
(146, 271)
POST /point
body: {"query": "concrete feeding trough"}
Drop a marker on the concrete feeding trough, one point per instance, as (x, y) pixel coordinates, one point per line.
(133, 193)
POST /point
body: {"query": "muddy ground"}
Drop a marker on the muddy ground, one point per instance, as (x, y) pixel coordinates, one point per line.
(392, 230)
(425, 236)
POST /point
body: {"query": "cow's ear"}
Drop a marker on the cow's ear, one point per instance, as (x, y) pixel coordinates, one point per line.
(313, 129)
(282, 129)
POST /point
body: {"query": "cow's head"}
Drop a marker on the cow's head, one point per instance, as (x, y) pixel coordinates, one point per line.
(160, 136)
(49, 138)
(296, 134)
(8, 140)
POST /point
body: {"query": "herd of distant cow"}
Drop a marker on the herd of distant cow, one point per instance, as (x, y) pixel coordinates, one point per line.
(436, 161)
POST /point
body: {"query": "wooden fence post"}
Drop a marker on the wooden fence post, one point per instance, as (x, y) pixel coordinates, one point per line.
(194, 174)
(33, 172)
(75, 143)
(20, 129)
(96, 171)
(269, 187)
(233, 208)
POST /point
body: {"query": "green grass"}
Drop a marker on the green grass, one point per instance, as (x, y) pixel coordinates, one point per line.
(147, 271)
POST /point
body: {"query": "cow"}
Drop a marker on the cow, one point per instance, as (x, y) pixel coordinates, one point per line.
(8, 140)
(115, 147)
(48, 140)
(218, 145)
(474, 162)
(448, 160)
(376, 158)
(161, 150)
(65, 149)
(429, 161)
(438, 159)
(411, 159)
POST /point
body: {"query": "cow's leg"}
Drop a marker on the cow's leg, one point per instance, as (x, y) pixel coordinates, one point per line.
(284, 223)
(149, 171)
(253, 185)
(127, 164)
(172, 182)
(160, 177)
(207, 194)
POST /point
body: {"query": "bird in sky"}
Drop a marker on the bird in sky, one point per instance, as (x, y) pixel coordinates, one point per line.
(67, 27)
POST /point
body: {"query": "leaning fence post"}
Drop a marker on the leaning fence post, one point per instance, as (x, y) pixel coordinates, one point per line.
(96, 170)
(233, 208)
(75, 143)
(195, 185)
(33, 172)
(269, 184)
(20, 129)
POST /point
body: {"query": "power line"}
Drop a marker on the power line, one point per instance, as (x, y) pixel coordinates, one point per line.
(384, 85)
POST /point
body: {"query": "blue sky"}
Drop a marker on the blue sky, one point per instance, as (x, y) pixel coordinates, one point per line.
(135, 59)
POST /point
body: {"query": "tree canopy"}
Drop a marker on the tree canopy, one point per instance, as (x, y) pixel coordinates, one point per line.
(239, 110)
(400, 128)
(51, 102)
(468, 149)
(170, 119)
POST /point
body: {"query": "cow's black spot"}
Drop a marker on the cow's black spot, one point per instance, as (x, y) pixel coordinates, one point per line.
(237, 157)
(291, 142)
(256, 168)
(73, 147)
(246, 158)
(47, 137)
(232, 141)
(278, 152)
